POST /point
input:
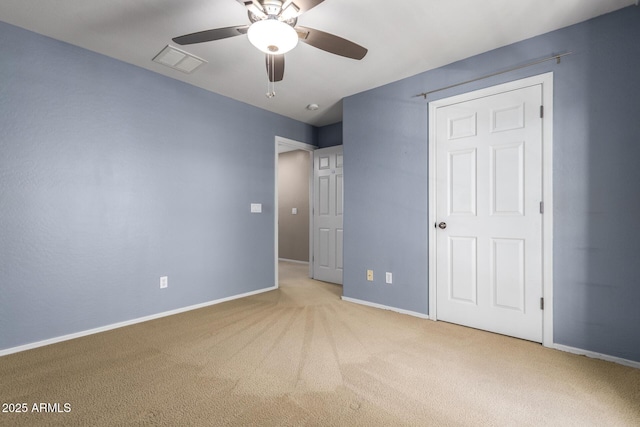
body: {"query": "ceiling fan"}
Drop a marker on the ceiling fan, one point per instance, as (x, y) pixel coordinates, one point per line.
(273, 30)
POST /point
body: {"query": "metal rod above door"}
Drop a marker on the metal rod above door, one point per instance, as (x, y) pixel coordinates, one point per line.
(497, 73)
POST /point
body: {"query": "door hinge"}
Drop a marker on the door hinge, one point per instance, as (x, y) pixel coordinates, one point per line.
(541, 303)
(541, 111)
(541, 207)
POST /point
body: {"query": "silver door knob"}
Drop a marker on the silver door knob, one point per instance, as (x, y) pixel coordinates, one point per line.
(442, 225)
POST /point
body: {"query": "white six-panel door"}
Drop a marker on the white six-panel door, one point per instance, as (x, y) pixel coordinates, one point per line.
(327, 214)
(488, 220)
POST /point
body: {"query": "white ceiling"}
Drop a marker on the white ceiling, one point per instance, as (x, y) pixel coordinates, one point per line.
(404, 38)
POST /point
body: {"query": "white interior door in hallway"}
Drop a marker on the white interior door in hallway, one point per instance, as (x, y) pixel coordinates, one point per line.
(488, 213)
(327, 214)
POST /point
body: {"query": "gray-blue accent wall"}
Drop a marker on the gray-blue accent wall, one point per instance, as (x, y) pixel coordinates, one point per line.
(112, 176)
(330, 135)
(595, 174)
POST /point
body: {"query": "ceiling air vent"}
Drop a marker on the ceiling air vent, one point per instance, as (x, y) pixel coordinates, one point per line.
(178, 59)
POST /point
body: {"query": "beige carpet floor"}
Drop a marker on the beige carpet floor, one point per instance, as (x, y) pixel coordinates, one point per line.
(301, 356)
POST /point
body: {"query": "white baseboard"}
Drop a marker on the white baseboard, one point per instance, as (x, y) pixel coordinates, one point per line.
(385, 307)
(579, 351)
(128, 323)
(595, 355)
(293, 260)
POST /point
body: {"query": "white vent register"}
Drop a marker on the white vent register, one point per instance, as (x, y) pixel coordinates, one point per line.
(178, 59)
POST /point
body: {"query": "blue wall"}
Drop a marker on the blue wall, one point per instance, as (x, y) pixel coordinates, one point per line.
(112, 176)
(596, 180)
(330, 135)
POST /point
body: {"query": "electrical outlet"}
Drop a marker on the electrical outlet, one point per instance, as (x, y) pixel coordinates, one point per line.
(164, 282)
(389, 278)
(370, 275)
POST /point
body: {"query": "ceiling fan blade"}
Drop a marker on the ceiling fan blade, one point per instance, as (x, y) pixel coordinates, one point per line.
(291, 9)
(305, 5)
(211, 35)
(331, 43)
(275, 67)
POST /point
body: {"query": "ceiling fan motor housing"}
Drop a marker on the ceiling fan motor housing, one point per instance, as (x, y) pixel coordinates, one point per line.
(254, 18)
(272, 7)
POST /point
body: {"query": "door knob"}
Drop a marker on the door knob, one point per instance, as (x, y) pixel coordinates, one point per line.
(442, 225)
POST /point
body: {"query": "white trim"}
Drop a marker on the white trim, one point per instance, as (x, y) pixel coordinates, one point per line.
(546, 80)
(433, 306)
(295, 144)
(295, 261)
(128, 323)
(547, 216)
(311, 208)
(279, 140)
(385, 307)
(594, 355)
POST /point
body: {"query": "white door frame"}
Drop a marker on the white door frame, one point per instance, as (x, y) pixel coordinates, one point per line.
(546, 80)
(296, 145)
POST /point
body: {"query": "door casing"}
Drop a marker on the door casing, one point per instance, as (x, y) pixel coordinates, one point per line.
(546, 80)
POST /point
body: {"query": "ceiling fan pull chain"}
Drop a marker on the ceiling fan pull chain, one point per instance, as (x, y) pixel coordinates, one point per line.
(271, 91)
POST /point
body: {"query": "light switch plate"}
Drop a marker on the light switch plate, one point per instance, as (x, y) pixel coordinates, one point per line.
(294, 211)
(256, 207)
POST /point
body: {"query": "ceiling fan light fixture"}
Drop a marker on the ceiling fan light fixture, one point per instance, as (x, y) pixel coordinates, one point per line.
(272, 36)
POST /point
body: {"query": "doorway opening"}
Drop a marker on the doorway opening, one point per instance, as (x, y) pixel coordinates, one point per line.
(292, 214)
